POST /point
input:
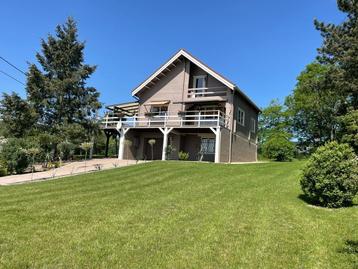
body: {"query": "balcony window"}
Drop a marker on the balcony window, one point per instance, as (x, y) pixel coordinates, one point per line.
(240, 117)
(199, 82)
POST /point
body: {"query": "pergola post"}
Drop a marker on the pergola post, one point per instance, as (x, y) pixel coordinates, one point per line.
(107, 143)
(217, 132)
(165, 132)
(122, 137)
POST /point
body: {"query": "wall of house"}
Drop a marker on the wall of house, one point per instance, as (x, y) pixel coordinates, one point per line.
(243, 150)
(250, 113)
(130, 152)
(225, 145)
(169, 87)
(210, 82)
(174, 86)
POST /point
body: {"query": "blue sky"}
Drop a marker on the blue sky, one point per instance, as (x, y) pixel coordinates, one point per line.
(260, 45)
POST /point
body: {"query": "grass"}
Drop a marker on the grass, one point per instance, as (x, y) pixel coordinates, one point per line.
(174, 215)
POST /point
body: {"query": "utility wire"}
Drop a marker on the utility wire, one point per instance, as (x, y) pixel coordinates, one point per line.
(6, 74)
(18, 69)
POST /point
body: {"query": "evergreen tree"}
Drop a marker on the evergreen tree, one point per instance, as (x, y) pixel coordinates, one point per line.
(58, 89)
(340, 50)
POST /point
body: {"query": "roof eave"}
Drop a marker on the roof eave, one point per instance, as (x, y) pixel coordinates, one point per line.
(247, 98)
(191, 58)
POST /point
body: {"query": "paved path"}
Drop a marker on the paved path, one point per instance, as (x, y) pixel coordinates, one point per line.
(67, 170)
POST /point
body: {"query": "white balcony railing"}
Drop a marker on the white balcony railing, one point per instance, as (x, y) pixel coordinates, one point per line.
(188, 119)
(206, 92)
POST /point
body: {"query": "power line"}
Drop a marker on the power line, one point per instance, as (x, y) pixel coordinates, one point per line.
(6, 74)
(18, 69)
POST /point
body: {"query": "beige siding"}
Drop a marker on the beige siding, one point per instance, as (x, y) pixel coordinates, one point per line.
(167, 88)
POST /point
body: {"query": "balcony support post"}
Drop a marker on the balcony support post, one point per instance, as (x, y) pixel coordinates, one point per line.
(108, 135)
(165, 132)
(122, 136)
(217, 132)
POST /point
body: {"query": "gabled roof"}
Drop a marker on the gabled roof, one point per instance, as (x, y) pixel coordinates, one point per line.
(207, 69)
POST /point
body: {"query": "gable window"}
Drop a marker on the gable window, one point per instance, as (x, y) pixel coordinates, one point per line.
(240, 116)
(253, 125)
(199, 82)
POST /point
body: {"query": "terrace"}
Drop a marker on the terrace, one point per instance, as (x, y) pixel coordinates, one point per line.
(184, 119)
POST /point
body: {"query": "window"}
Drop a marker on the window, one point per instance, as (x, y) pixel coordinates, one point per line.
(253, 126)
(159, 110)
(199, 82)
(207, 146)
(240, 116)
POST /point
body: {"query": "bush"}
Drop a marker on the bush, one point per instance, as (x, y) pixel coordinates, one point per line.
(3, 171)
(66, 150)
(14, 155)
(183, 156)
(330, 178)
(278, 147)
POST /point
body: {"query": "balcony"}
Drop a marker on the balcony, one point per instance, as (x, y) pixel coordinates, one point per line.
(206, 94)
(187, 119)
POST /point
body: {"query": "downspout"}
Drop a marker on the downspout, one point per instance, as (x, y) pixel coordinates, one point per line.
(184, 80)
(232, 125)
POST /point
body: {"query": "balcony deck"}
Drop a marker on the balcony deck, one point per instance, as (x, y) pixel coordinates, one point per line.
(206, 94)
(188, 119)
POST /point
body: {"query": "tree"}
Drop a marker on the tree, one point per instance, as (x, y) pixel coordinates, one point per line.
(86, 146)
(151, 142)
(58, 90)
(313, 106)
(340, 50)
(279, 147)
(349, 129)
(66, 149)
(32, 153)
(18, 117)
(274, 118)
(14, 156)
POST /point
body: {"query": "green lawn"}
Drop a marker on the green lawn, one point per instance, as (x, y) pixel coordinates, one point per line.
(174, 215)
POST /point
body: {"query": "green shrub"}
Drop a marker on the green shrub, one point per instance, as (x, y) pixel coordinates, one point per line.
(169, 150)
(183, 156)
(66, 150)
(14, 156)
(330, 178)
(53, 165)
(3, 171)
(278, 147)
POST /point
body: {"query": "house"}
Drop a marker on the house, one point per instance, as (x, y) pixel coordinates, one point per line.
(186, 106)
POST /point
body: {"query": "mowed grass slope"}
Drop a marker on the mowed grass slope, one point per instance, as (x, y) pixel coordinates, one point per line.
(174, 215)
